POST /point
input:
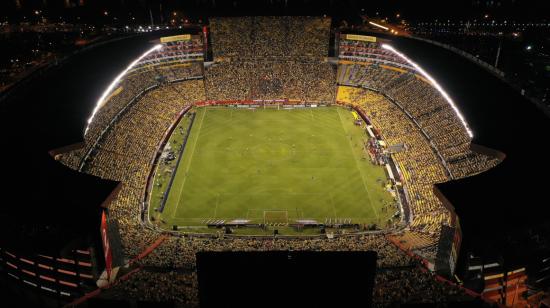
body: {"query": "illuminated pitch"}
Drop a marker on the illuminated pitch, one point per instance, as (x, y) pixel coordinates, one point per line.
(272, 167)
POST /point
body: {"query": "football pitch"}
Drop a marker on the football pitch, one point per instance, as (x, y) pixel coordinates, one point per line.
(270, 166)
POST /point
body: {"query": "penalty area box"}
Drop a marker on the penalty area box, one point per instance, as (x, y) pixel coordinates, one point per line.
(275, 217)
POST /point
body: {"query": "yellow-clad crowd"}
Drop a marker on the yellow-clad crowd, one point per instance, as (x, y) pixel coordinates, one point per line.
(274, 58)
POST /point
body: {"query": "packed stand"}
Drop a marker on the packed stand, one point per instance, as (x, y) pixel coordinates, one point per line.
(419, 165)
(423, 102)
(132, 85)
(168, 274)
(414, 286)
(179, 288)
(287, 63)
(270, 58)
(127, 147)
(271, 79)
(270, 37)
(177, 51)
(179, 252)
(356, 50)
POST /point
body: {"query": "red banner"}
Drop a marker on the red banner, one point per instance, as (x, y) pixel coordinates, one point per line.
(106, 246)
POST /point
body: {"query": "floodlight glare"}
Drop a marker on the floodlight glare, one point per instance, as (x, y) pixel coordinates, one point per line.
(116, 81)
(435, 84)
(378, 25)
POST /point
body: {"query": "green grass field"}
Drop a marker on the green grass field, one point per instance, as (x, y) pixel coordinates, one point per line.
(271, 166)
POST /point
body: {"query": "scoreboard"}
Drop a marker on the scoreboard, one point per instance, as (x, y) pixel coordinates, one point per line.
(175, 38)
(357, 37)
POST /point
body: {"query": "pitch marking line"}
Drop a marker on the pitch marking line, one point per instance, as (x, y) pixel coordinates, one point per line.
(358, 168)
(216, 208)
(204, 220)
(189, 163)
(332, 204)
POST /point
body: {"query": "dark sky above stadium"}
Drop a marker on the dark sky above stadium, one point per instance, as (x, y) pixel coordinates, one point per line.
(93, 10)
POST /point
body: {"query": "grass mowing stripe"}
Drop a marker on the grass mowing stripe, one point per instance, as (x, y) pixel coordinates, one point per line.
(295, 160)
(359, 168)
(332, 205)
(180, 155)
(188, 164)
(217, 202)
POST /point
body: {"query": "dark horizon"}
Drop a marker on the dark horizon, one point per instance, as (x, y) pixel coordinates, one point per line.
(139, 11)
(61, 55)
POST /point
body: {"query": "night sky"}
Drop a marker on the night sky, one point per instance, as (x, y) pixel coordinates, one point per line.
(93, 11)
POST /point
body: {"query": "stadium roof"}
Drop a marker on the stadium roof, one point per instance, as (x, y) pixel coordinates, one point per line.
(44, 117)
(511, 196)
(41, 197)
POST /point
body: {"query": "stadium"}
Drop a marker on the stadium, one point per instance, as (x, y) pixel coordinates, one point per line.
(269, 134)
(372, 78)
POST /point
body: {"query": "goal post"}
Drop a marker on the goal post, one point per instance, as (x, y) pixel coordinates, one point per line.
(275, 217)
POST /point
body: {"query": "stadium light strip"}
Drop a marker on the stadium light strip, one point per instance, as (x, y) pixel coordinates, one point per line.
(116, 81)
(378, 25)
(435, 84)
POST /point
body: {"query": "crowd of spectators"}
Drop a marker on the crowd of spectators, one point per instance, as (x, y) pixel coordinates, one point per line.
(133, 140)
(270, 58)
(179, 252)
(419, 165)
(176, 51)
(410, 284)
(311, 81)
(126, 132)
(133, 84)
(267, 36)
(128, 144)
(350, 49)
(413, 285)
(180, 288)
(411, 112)
(168, 274)
(423, 103)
